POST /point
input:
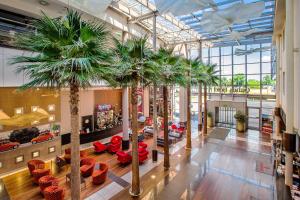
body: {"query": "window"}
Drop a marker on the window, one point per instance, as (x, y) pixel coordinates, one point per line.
(226, 60)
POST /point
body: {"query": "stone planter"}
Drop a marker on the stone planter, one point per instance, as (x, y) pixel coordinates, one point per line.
(210, 122)
(240, 126)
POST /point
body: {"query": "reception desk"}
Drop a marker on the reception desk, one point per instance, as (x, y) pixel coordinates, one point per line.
(93, 136)
(17, 158)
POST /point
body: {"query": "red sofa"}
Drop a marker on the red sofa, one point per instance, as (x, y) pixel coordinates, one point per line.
(143, 155)
(35, 164)
(47, 181)
(99, 147)
(67, 155)
(39, 173)
(87, 166)
(54, 193)
(115, 144)
(124, 157)
(99, 175)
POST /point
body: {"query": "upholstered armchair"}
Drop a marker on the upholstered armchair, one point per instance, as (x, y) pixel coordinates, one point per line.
(142, 145)
(39, 173)
(35, 164)
(124, 157)
(100, 173)
(47, 181)
(115, 144)
(143, 155)
(99, 147)
(54, 193)
(67, 155)
(87, 166)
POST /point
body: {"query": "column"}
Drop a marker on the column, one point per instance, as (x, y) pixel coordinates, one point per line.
(278, 71)
(125, 118)
(289, 136)
(200, 94)
(182, 104)
(125, 108)
(146, 103)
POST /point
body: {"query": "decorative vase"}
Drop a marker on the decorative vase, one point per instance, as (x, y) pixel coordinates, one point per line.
(209, 122)
(240, 126)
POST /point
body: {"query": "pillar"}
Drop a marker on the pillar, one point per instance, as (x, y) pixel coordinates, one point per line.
(278, 71)
(200, 93)
(125, 118)
(146, 102)
(289, 92)
(182, 104)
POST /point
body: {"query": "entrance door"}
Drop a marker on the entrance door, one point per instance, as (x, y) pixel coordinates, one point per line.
(253, 118)
(225, 116)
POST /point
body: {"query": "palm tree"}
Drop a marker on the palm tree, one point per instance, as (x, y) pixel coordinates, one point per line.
(70, 53)
(198, 77)
(170, 71)
(130, 69)
(211, 78)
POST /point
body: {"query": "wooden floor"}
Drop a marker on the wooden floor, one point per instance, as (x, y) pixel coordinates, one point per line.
(20, 187)
(213, 170)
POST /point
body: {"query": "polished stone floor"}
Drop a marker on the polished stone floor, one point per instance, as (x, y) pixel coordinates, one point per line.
(238, 167)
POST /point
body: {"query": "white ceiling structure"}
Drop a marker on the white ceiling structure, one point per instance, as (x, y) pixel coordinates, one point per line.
(222, 22)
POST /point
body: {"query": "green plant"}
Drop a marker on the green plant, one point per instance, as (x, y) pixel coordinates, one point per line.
(209, 114)
(68, 53)
(240, 117)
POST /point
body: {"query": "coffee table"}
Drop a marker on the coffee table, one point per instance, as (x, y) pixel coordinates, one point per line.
(82, 180)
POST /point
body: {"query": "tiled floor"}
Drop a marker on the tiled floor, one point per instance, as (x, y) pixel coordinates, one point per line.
(213, 169)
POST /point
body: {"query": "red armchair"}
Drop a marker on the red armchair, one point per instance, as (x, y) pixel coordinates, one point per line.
(99, 147)
(67, 155)
(142, 145)
(87, 166)
(115, 144)
(47, 181)
(124, 157)
(99, 175)
(35, 164)
(39, 173)
(54, 193)
(143, 155)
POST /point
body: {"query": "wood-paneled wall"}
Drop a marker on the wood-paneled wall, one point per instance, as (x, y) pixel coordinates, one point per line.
(11, 98)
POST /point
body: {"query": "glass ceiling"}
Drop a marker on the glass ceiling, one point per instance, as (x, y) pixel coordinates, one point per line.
(187, 28)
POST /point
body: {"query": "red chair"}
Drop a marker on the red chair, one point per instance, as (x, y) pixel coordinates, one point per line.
(39, 173)
(67, 155)
(54, 193)
(87, 166)
(124, 157)
(99, 175)
(47, 181)
(35, 164)
(143, 155)
(115, 144)
(149, 121)
(99, 147)
(174, 127)
(142, 145)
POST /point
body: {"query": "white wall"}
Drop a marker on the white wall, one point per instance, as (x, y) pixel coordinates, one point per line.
(8, 75)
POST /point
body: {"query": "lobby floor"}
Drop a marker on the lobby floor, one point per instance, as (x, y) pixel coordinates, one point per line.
(238, 167)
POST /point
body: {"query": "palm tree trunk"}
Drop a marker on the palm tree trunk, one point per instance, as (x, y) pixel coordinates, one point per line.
(155, 129)
(166, 128)
(75, 159)
(204, 128)
(200, 107)
(135, 187)
(188, 124)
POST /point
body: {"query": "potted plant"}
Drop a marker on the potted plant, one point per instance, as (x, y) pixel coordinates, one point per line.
(209, 119)
(240, 121)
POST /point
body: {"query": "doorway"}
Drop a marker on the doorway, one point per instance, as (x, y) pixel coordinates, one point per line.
(225, 116)
(253, 118)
